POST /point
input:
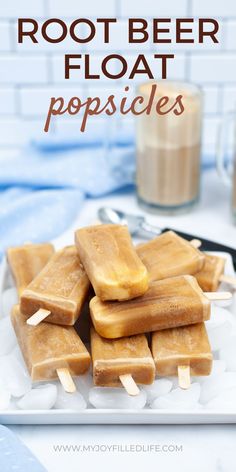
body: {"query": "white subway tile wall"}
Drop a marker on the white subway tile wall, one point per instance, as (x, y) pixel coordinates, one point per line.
(82, 8)
(225, 9)
(32, 73)
(23, 8)
(5, 37)
(167, 8)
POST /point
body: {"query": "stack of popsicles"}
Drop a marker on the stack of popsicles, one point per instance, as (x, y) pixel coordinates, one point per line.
(173, 306)
(154, 288)
(55, 286)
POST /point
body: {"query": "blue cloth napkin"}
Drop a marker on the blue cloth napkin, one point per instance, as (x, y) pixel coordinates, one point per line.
(43, 188)
(15, 456)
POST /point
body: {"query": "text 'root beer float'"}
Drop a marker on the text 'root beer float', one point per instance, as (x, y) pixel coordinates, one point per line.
(134, 31)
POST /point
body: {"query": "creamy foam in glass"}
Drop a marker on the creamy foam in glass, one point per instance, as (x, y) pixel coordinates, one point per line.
(168, 150)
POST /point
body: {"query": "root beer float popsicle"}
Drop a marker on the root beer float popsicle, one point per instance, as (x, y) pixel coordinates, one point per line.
(111, 262)
(58, 292)
(169, 255)
(212, 274)
(51, 351)
(182, 352)
(177, 301)
(124, 361)
(27, 261)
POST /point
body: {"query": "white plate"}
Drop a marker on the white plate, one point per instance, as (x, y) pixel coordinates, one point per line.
(92, 416)
(118, 416)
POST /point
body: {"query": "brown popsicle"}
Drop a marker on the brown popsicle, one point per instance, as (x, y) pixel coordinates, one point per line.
(27, 261)
(51, 351)
(58, 291)
(168, 303)
(119, 359)
(111, 262)
(182, 351)
(169, 255)
(210, 275)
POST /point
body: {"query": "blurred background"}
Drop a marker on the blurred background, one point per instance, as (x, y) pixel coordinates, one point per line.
(32, 73)
(42, 197)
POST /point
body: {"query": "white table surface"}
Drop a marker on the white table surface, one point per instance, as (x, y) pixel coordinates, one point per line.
(205, 448)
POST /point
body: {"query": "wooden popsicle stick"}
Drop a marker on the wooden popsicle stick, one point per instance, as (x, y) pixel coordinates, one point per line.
(196, 243)
(39, 316)
(66, 380)
(184, 376)
(215, 296)
(228, 279)
(129, 384)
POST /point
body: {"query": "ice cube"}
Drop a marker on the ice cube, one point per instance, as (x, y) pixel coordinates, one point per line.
(41, 398)
(3, 274)
(7, 336)
(13, 404)
(175, 381)
(107, 397)
(18, 355)
(219, 336)
(164, 403)
(224, 401)
(218, 367)
(192, 394)
(228, 354)
(219, 316)
(15, 374)
(219, 327)
(69, 401)
(215, 385)
(9, 298)
(224, 303)
(179, 399)
(84, 383)
(158, 388)
(5, 398)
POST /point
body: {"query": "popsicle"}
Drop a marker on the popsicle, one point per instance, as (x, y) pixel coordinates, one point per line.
(58, 292)
(168, 303)
(83, 324)
(51, 351)
(27, 261)
(182, 351)
(212, 274)
(127, 361)
(111, 262)
(169, 255)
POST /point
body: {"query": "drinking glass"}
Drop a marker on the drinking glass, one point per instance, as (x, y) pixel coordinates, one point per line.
(168, 150)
